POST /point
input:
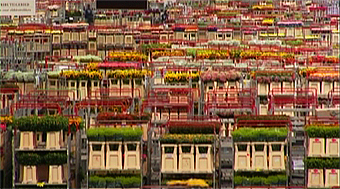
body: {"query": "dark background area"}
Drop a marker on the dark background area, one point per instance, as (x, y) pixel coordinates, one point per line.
(122, 4)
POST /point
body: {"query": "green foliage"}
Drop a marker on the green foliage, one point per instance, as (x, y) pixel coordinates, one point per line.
(116, 134)
(185, 138)
(323, 131)
(29, 158)
(55, 158)
(42, 124)
(273, 180)
(147, 47)
(259, 134)
(87, 59)
(52, 158)
(322, 163)
(116, 182)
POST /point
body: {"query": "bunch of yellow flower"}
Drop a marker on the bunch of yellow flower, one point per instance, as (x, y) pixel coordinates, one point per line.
(127, 56)
(92, 66)
(157, 54)
(181, 77)
(75, 121)
(6, 119)
(82, 75)
(128, 74)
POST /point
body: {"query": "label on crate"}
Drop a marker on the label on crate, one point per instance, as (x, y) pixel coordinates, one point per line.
(169, 155)
(17, 7)
(203, 155)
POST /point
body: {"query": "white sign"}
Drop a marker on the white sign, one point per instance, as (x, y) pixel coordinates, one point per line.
(17, 7)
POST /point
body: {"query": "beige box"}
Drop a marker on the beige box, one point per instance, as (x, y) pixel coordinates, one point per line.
(263, 109)
(326, 87)
(132, 155)
(118, 39)
(81, 52)
(109, 40)
(315, 85)
(204, 158)
(26, 140)
(72, 89)
(332, 147)
(259, 156)
(332, 178)
(66, 37)
(316, 147)
(276, 156)
(183, 99)
(73, 52)
(83, 36)
(263, 88)
(75, 36)
(114, 155)
(53, 85)
(242, 156)
(55, 174)
(53, 140)
(101, 39)
(92, 46)
(56, 39)
(315, 178)
(186, 158)
(114, 87)
(173, 99)
(65, 52)
(29, 175)
(82, 92)
(97, 159)
(169, 158)
(95, 87)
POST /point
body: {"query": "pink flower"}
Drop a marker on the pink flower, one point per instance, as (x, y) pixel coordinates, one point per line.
(223, 77)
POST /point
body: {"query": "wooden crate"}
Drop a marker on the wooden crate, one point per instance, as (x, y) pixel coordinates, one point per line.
(204, 158)
(55, 174)
(132, 155)
(259, 156)
(26, 140)
(276, 156)
(316, 147)
(263, 88)
(29, 175)
(332, 147)
(169, 158)
(242, 157)
(114, 155)
(53, 140)
(315, 178)
(56, 39)
(66, 37)
(186, 158)
(332, 178)
(96, 155)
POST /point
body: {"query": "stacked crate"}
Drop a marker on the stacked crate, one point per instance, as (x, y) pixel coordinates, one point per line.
(260, 149)
(323, 149)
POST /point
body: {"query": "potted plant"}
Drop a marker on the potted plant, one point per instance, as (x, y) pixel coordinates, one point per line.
(93, 181)
(92, 134)
(110, 182)
(101, 182)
